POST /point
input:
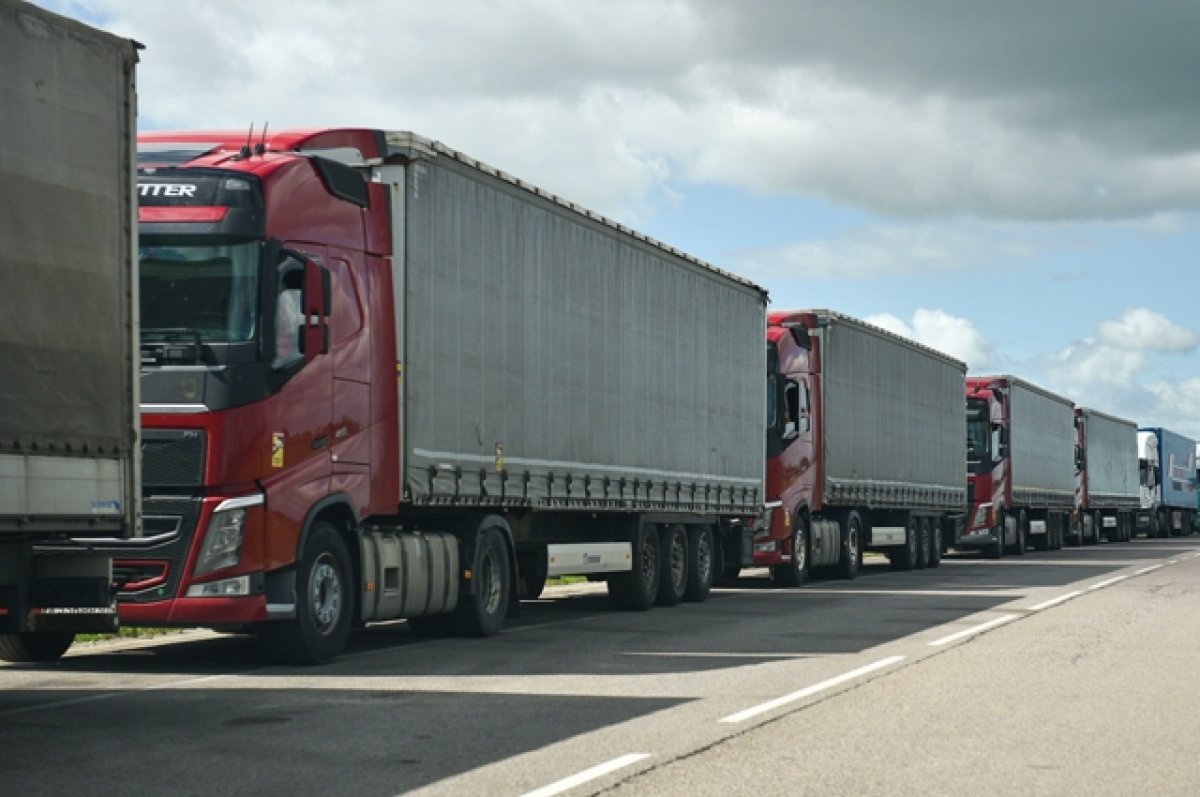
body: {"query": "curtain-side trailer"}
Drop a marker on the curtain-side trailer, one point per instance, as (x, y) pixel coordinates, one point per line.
(68, 351)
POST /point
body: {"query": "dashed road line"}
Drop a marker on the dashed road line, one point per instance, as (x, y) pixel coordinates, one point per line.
(762, 708)
(1055, 601)
(598, 771)
(977, 629)
(1107, 583)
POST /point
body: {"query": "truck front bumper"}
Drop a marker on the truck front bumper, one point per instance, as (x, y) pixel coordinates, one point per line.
(206, 612)
(973, 539)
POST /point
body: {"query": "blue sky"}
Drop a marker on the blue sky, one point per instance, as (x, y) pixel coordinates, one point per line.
(1015, 183)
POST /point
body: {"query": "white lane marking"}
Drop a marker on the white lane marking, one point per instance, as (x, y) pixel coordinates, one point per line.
(946, 640)
(598, 771)
(1145, 570)
(762, 708)
(1108, 583)
(1055, 601)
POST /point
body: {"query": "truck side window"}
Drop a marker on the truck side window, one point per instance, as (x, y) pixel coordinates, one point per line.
(791, 409)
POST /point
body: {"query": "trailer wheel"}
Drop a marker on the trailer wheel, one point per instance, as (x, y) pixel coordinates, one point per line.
(35, 646)
(701, 563)
(672, 583)
(482, 612)
(923, 544)
(852, 551)
(935, 541)
(324, 602)
(637, 589)
(795, 572)
(904, 557)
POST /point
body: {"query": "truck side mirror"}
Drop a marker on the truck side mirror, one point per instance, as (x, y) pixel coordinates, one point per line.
(318, 292)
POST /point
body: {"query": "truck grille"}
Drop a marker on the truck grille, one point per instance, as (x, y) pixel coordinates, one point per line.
(173, 457)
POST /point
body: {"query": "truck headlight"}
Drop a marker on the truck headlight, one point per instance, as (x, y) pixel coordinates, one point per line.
(222, 541)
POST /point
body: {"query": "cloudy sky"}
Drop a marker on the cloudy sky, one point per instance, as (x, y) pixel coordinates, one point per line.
(1016, 183)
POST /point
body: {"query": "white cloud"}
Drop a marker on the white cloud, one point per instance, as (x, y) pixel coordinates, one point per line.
(1143, 329)
(939, 330)
(913, 114)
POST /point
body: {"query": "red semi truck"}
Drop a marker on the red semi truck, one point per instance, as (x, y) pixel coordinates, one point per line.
(1107, 494)
(864, 448)
(1021, 473)
(383, 380)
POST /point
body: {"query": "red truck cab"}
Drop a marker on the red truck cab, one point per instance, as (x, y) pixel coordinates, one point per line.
(258, 402)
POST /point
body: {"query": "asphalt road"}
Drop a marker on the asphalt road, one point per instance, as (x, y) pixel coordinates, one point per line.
(1070, 672)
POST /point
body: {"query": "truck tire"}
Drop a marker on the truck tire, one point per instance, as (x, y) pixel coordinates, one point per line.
(904, 557)
(924, 544)
(995, 550)
(1022, 540)
(1094, 539)
(702, 560)
(482, 612)
(637, 589)
(795, 572)
(35, 646)
(324, 602)
(936, 541)
(672, 582)
(852, 551)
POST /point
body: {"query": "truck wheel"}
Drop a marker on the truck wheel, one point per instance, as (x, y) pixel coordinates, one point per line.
(905, 556)
(1018, 548)
(637, 589)
(482, 613)
(1094, 537)
(935, 541)
(851, 559)
(701, 564)
(35, 646)
(795, 572)
(995, 550)
(672, 582)
(923, 544)
(324, 602)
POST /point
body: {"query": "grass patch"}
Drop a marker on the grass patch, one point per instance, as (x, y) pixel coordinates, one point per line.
(559, 581)
(129, 633)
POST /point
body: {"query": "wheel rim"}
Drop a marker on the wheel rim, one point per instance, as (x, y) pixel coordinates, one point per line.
(852, 543)
(325, 594)
(799, 549)
(491, 586)
(649, 562)
(678, 554)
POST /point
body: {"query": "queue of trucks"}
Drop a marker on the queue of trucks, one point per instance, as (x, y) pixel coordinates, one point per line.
(379, 379)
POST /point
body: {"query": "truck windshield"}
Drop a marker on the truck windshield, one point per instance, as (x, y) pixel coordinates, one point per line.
(979, 438)
(209, 290)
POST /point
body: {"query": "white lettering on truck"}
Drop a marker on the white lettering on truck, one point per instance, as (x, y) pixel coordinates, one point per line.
(167, 189)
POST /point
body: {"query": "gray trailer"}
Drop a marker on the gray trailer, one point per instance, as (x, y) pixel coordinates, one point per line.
(1107, 492)
(893, 437)
(604, 391)
(69, 457)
